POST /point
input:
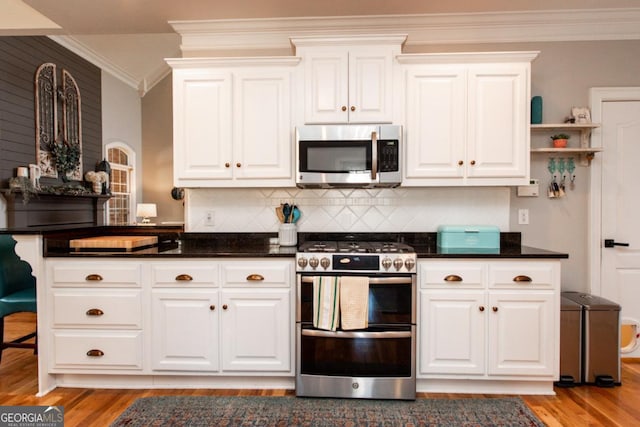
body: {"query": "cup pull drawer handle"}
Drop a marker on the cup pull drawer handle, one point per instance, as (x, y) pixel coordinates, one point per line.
(184, 278)
(522, 278)
(453, 278)
(95, 353)
(95, 312)
(93, 278)
(255, 278)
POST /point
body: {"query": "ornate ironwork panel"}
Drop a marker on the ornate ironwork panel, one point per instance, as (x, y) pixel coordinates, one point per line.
(46, 117)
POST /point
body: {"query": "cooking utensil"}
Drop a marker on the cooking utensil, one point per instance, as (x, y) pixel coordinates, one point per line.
(286, 210)
(279, 213)
(295, 214)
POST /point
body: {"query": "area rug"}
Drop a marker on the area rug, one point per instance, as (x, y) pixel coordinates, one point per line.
(295, 411)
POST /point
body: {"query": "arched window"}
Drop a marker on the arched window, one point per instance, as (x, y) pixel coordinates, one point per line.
(120, 206)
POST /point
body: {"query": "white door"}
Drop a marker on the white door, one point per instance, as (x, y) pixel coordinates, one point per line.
(452, 332)
(255, 330)
(434, 135)
(497, 131)
(620, 204)
(202, 126)
(185, 329)
(327, 88)
(520, 329)
(370, 81)
(262, 127)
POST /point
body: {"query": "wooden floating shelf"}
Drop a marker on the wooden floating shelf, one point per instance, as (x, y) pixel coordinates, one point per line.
(585, 151)
(567, 126)
(566, 150)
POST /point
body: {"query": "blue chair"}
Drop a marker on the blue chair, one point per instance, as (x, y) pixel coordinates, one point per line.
(17, 291)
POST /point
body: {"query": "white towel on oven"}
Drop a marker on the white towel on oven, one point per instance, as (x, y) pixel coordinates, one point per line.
(354, 302)
(326, 302)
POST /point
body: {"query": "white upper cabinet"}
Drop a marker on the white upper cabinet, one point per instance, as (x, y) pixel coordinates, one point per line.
(467, 118)
(233, 122)
(348, 80)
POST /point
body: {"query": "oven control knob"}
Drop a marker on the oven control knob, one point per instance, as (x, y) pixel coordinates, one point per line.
(313, 262)
(324, 262)
(302, 262)
(409, 263)
(398, 263)
(386, 263)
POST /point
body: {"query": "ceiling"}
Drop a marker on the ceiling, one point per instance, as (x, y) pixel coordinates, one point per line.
(131, 38)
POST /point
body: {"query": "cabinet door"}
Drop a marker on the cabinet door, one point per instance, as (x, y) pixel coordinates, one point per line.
(256, 330)
(184, 329)
(263, 127)
(326, 87)
(521, 333)
(370, 84)
(452, 332)
(201, 127)
(498, 132)
(436, 113)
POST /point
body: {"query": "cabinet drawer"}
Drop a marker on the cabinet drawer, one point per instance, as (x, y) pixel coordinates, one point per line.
(518, 275)
(184, 274)
(97, 308)
(258, 274)
(97, 349)
(96, 274)
(451, 275)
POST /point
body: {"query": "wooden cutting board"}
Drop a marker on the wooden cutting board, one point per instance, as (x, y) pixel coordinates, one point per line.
(126, 243)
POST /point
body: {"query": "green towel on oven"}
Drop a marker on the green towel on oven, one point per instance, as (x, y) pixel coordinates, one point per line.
(326, 302)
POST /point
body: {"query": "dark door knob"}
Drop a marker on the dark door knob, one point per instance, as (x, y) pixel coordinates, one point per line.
(609, 243)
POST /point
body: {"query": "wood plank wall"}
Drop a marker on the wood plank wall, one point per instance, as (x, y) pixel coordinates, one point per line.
(19, 59)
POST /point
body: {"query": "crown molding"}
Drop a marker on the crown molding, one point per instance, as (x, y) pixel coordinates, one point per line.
(142, 86)
(467, 57)
(95, 58)
(458, 28)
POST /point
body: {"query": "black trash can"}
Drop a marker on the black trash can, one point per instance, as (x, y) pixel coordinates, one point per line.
(570, 343)
(600, 339)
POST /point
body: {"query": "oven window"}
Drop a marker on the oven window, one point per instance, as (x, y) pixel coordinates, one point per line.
(356, 357)
(388, 304)
(335, 157)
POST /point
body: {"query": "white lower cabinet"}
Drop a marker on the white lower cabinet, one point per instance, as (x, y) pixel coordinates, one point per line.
(240, 322)
(489, 321)
(452, 332)
(169, 319)
(95, 312)
(255, 330)
(521, 333)
(185, 329)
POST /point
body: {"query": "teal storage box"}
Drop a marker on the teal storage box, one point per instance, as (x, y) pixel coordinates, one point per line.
(468, 239)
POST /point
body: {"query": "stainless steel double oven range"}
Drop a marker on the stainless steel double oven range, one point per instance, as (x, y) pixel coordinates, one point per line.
(377, 362)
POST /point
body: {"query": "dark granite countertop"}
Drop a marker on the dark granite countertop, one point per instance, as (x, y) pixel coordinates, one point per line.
(175, 244)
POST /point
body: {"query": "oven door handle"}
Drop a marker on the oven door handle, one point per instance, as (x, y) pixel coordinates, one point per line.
(356, 334)
(374, 280)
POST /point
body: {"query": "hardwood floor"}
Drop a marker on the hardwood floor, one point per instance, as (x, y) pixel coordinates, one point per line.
(578, 406)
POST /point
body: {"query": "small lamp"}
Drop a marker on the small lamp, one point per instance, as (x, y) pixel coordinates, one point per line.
(146, 211)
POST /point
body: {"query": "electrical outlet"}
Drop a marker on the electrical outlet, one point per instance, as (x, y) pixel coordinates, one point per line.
(523, 216)
(210, 218)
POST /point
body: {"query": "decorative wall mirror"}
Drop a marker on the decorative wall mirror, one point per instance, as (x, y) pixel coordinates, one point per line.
(58, 143)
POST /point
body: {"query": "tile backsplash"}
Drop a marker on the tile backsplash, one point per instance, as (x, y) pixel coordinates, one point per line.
(346, 210)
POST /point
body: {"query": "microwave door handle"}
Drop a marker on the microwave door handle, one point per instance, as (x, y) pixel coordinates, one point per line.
(374, 155)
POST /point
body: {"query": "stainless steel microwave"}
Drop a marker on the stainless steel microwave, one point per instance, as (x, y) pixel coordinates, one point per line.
(348, 156)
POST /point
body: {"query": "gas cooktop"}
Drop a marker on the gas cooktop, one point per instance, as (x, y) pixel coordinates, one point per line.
(355, 247)
(344, 256)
